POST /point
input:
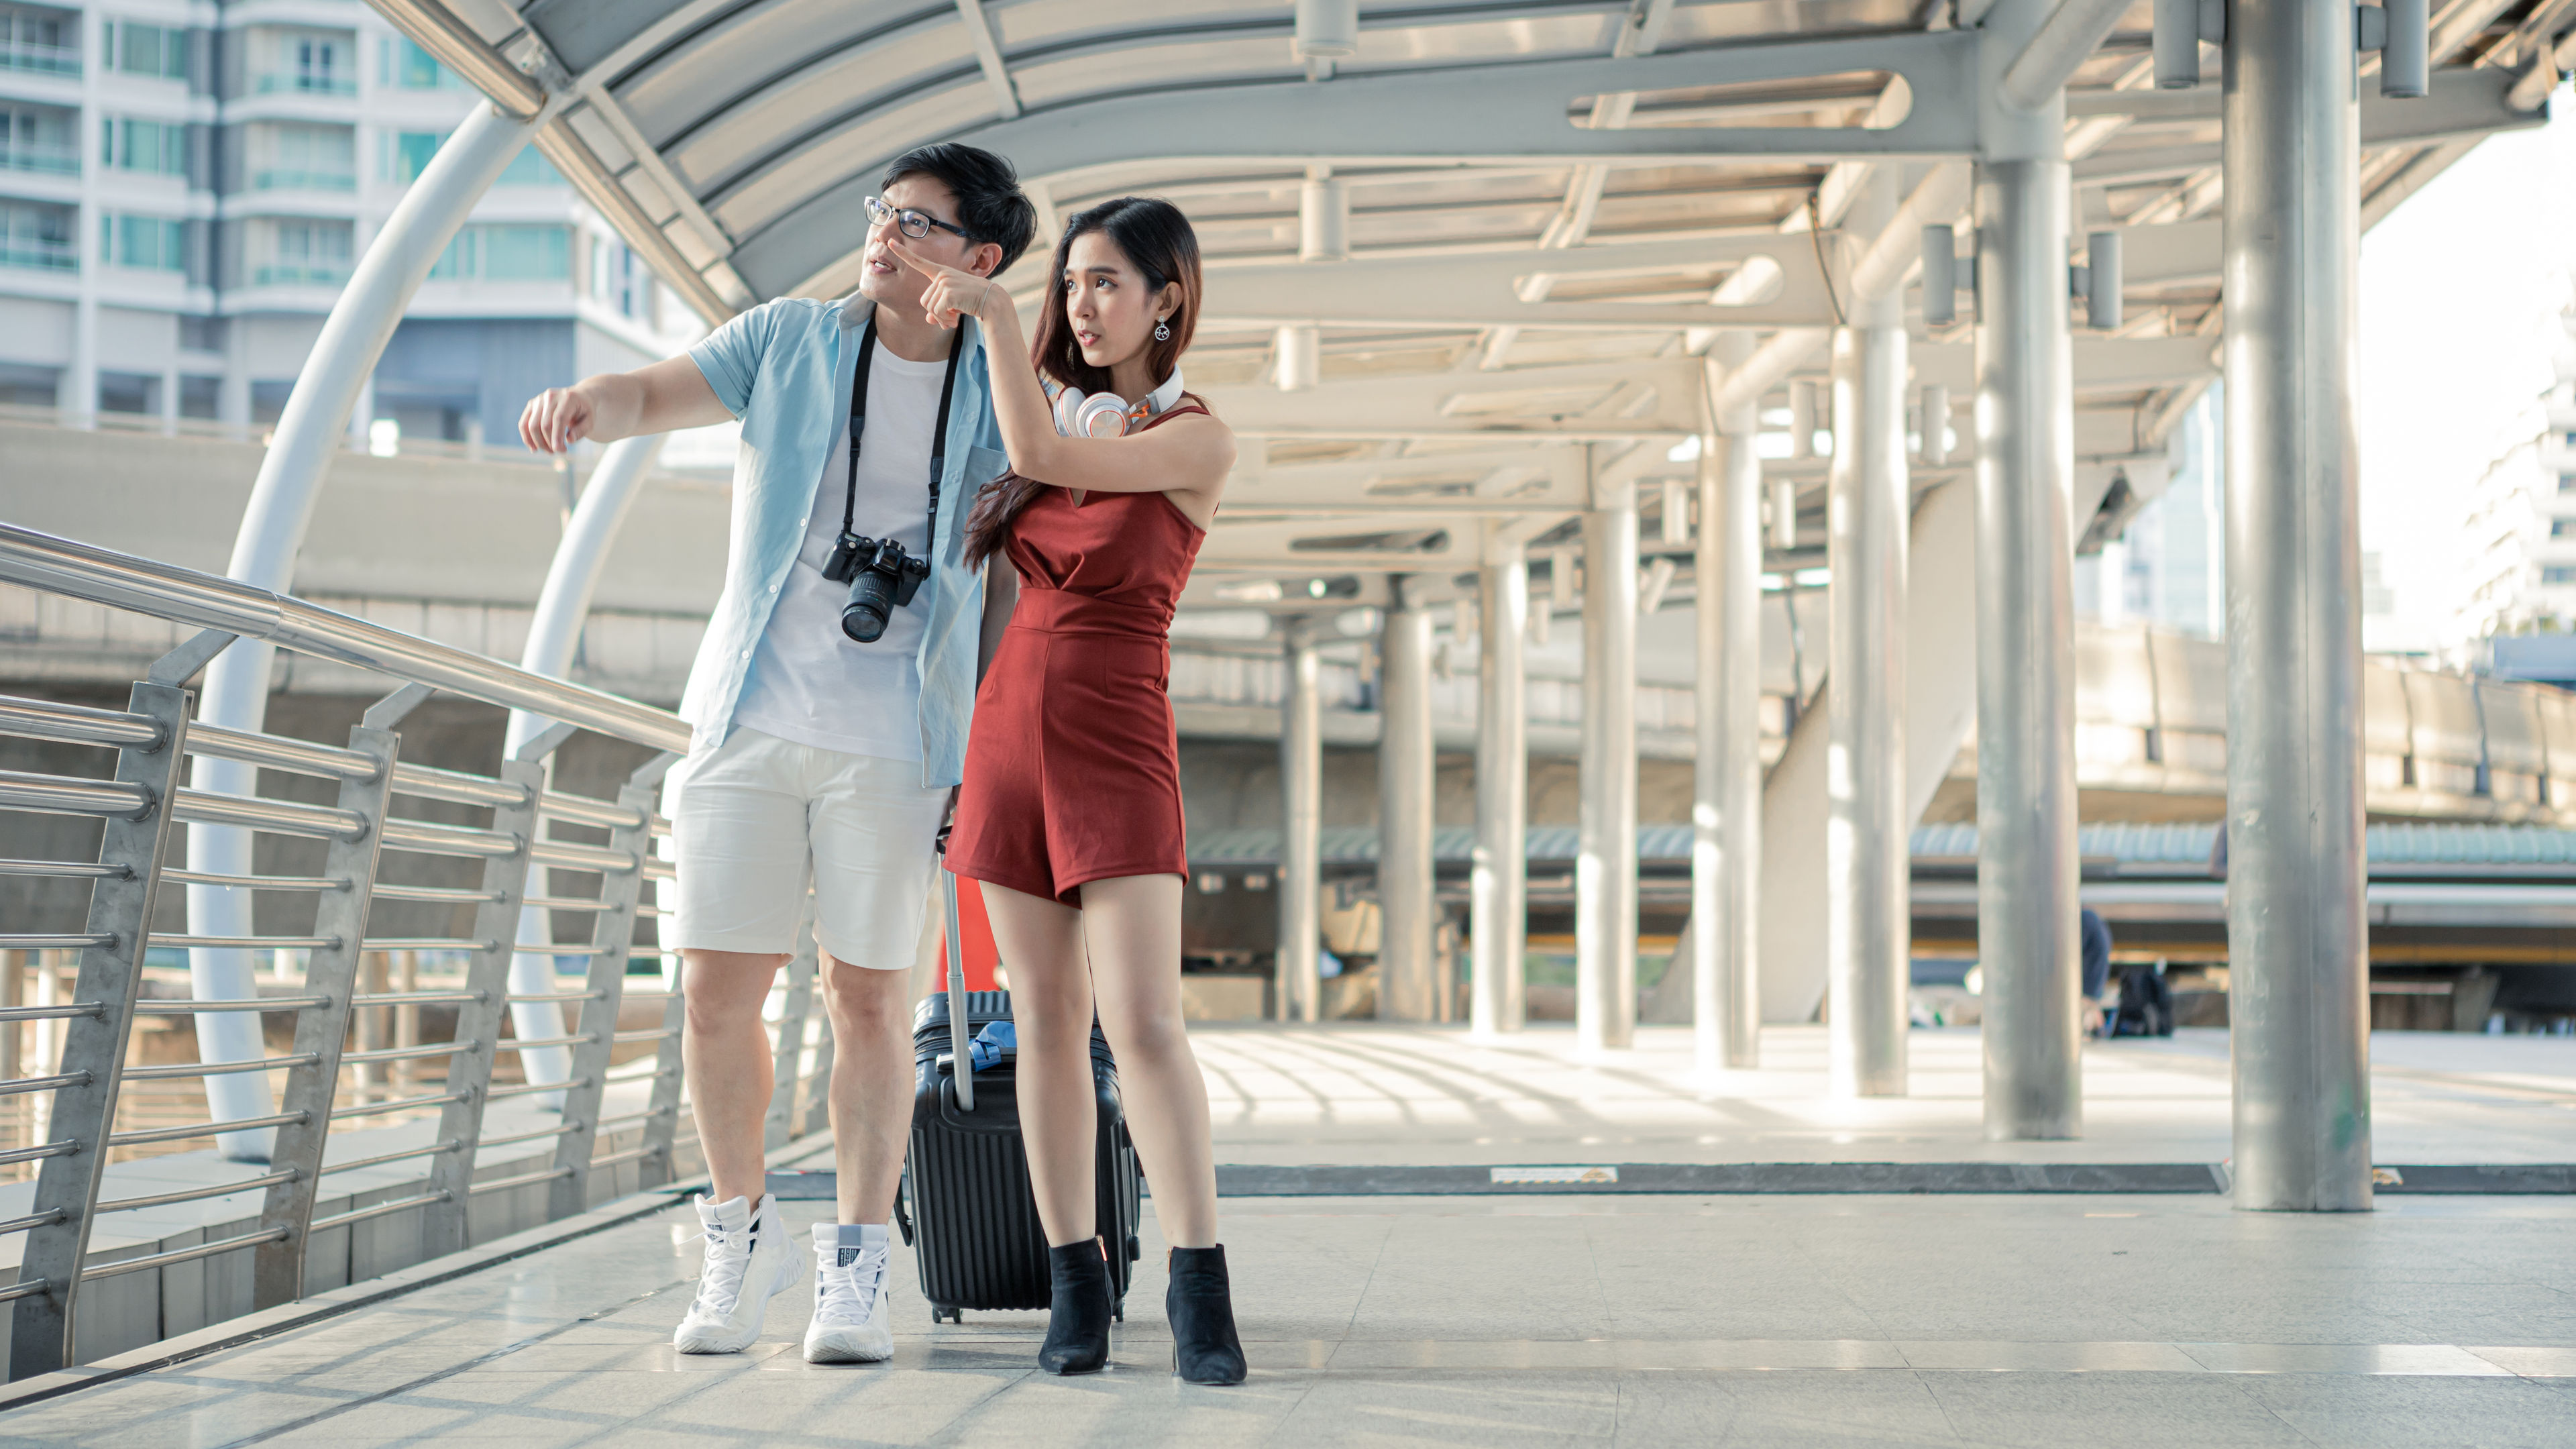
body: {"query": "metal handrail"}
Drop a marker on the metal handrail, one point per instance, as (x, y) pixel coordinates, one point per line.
(276, 752)
(197, 1008)
(71, 795)
(64, 869)
(145, 803)
(122, 581)
(75, 724)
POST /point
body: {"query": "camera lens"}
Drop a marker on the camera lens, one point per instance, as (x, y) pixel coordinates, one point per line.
(863, 618)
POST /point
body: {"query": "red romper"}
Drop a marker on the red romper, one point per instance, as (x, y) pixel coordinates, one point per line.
(1073, 768)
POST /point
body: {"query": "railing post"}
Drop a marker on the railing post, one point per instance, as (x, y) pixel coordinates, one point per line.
(619, 892)
(443, 1227)
(120, 909)
(662, 1108)
(780, 1127)
(332, 972)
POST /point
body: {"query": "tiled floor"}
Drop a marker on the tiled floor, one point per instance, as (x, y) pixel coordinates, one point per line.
(1774, 1320)
(1372, 1094)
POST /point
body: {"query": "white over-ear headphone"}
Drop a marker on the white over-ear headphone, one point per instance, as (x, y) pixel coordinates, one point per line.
(1079, 414)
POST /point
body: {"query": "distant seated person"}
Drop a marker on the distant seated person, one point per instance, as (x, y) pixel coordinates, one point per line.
(2095, 938)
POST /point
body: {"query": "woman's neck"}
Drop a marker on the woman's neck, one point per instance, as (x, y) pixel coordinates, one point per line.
(1134, 379)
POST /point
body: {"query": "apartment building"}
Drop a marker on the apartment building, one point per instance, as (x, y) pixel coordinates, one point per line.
(186, 185)
(2521, 519)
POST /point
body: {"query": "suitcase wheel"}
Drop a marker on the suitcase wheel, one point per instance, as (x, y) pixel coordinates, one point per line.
(1118, 1311)
(939, 1314)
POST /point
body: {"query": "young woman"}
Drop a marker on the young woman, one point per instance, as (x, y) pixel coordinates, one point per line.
(1071, 809)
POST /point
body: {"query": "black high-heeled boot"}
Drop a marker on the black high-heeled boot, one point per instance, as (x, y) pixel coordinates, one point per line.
(1200, 1305)
(1077, 1339)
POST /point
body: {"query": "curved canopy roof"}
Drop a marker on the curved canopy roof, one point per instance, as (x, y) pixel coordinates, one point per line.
(1554, 205)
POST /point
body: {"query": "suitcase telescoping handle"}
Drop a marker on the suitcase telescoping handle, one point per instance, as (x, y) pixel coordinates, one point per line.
(961, 1056)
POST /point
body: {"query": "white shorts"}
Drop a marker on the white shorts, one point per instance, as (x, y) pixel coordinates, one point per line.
(756, 816)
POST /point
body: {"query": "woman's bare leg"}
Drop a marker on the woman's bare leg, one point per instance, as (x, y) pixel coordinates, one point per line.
(1051, 1009)
(1131, 928)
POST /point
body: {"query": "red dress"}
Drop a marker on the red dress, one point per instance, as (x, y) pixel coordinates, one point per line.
(1073, 768)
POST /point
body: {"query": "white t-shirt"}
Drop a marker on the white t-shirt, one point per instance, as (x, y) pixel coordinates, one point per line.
(810, 683)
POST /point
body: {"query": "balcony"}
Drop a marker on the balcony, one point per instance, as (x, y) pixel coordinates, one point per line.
(289, 179)
(42, 59)
(41, 159)
(306, 83)
(43, 256)
(300, 274)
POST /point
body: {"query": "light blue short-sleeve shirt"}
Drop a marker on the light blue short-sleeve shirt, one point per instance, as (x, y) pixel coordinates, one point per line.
(785, 369)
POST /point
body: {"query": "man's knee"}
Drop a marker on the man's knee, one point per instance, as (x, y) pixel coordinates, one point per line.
(720, 996)
(867, 999)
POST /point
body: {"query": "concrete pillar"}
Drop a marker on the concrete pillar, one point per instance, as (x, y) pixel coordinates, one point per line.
(2298, 949)
(1498, 924)
(1301, 818)
(2025, 475)
(1407, 989)
(272, 530)
(1868, 907)
(1726, 802)
(1605, 866)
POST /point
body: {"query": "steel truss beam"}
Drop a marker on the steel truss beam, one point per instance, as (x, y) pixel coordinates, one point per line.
(1502, 114)
(1656, 397)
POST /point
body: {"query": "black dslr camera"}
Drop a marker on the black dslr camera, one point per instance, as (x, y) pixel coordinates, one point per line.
(882, 579)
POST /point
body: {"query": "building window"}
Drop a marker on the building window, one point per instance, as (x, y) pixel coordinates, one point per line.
(41, 40)
(2558, 574)
(402, 63)
(139, 49)
(303, 158)
(303, 253)
(493, 253)
(38, 236)
(530, 168)
(2562, 527)
(614, 277)
(309, 63)
(157, 147)
(407, 154)
(39, 138)
(2567, 481)
(150, 242)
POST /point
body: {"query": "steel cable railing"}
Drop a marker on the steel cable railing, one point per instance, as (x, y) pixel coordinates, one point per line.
(358, 1005)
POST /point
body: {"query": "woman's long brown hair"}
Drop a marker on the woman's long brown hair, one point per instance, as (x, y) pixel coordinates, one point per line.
(1158, 240)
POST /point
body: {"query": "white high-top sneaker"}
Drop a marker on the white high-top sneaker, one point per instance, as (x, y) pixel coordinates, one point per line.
(750, 1260)
(849, 1324)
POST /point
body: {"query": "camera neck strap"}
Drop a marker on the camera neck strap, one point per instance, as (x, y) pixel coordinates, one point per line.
(938, 430)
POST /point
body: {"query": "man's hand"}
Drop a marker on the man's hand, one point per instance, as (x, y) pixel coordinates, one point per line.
(555, 419)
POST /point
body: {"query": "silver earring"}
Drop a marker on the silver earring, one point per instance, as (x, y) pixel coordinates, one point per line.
(1162, 331)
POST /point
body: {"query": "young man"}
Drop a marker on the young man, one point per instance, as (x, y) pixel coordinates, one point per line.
(814, 751)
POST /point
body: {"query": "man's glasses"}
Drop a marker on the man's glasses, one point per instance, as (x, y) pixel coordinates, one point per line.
(914, 224)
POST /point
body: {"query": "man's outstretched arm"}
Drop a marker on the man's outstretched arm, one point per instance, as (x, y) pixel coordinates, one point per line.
(668, 395)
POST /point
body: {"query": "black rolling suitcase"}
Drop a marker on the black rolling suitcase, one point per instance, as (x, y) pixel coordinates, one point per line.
(967, 1209)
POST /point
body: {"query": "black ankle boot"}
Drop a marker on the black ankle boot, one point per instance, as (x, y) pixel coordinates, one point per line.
(1200, 1305)
(1077, 1340)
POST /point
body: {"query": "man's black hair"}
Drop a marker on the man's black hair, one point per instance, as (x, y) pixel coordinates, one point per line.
(991, 207)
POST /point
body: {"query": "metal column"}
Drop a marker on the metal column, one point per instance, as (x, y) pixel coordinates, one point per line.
(1605, 863)
(1499, 884)
(1726, 805)
(1868, 904)
(2298, 990)
(2025, 474)
(1300, 985)
(1406, 987)
(563, 603)
(272, 530)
